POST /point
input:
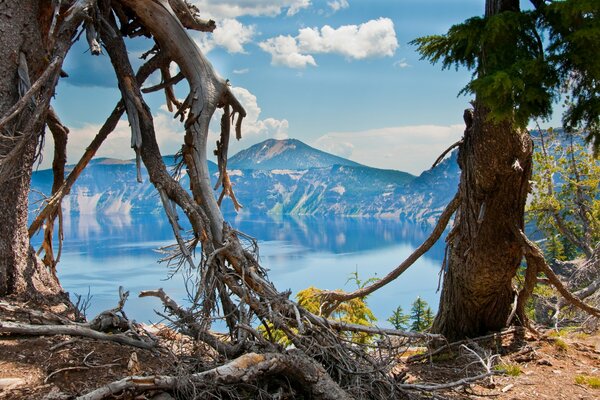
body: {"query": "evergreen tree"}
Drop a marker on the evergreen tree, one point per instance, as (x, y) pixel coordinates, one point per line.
(428, 318)
(565, 204)
(521, 60)
(398, 319)
(418, 316)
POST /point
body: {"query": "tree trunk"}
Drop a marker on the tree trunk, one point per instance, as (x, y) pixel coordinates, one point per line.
(483, 250)
(21, 272)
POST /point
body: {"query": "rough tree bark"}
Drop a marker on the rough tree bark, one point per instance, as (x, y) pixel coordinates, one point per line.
(483, 250)
(21, 272)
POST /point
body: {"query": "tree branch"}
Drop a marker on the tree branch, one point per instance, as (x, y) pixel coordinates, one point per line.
(422, 249)
(109, 125)
(534, 255)
(72, 330)
(441, 157)
(247, 368)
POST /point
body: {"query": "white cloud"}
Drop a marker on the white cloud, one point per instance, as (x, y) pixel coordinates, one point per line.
(401, 63)
(230, 34)
(374, 38)
(337, 5)
(237, 8)
(241, 71)
(406, 148)
(252, 125)
(284, 51)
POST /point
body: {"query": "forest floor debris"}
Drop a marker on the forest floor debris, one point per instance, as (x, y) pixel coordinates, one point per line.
(555, 365)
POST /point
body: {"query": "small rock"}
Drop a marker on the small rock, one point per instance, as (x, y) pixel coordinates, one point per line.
(134, 365)
(544, 362)
(56, 394)
(163, 396)
(507, 388)
(9, 383)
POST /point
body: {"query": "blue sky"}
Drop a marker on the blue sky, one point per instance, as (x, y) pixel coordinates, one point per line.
(336, 74)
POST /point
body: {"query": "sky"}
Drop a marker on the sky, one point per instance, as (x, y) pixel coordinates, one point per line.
(339, 75)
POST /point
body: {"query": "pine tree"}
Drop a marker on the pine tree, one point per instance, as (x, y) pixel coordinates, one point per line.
(398, 319)
(521, 61)
(428, 318)
(418, 313)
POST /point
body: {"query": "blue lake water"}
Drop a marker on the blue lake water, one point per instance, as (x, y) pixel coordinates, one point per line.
(101, 253)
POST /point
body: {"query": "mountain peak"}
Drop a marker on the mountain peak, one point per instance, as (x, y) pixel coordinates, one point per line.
(285, 154)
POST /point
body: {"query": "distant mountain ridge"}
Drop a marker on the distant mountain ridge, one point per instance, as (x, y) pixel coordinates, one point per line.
(285, 154)
(275, 177)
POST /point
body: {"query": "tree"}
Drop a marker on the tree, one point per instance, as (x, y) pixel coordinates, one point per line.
(398, 319)
(226, 279)
(565, 207)
(25, 92)
(565, 203)
(516, 78)
(428, 318)
(421, 315)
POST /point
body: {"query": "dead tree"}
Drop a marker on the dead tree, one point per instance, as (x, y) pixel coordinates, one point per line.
(231, 282)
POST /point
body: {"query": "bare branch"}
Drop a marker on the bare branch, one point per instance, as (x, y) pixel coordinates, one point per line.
(173, 81)
(18, 107)
(337, 296)
(534, 255)
(72, 330)
(189, 18)
(246, 368)
(441, 157)
(109, 125)
(443, 386)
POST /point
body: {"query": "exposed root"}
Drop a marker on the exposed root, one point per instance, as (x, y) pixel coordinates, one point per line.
(249, 367)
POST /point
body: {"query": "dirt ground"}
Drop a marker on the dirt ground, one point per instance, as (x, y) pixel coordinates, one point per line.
(548, 366)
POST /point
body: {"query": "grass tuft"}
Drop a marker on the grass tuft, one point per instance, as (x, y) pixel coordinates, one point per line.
(510, 369)
(591, 381)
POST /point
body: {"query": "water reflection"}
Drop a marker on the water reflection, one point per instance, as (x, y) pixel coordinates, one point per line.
(103, 252)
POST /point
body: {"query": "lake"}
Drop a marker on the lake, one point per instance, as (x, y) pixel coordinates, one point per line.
(100, 253)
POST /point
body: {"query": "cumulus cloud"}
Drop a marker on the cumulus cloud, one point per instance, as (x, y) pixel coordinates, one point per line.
(238, 8)
(374, 38)
(230, 34)
(337, 5)
(406, 148)
(255, 128)
(285, 52)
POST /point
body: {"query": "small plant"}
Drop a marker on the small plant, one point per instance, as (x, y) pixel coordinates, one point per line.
(353, 311)
(510, 369)
(591, 381)
(360, 283)
(561, 344)
(445, 356)
(399, 320)
(581, 335)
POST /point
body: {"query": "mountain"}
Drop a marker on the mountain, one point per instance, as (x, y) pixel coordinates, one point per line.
(276, 177)
(285, 154)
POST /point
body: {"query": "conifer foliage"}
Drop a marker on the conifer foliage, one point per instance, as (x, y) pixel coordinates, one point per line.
(532, 58)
